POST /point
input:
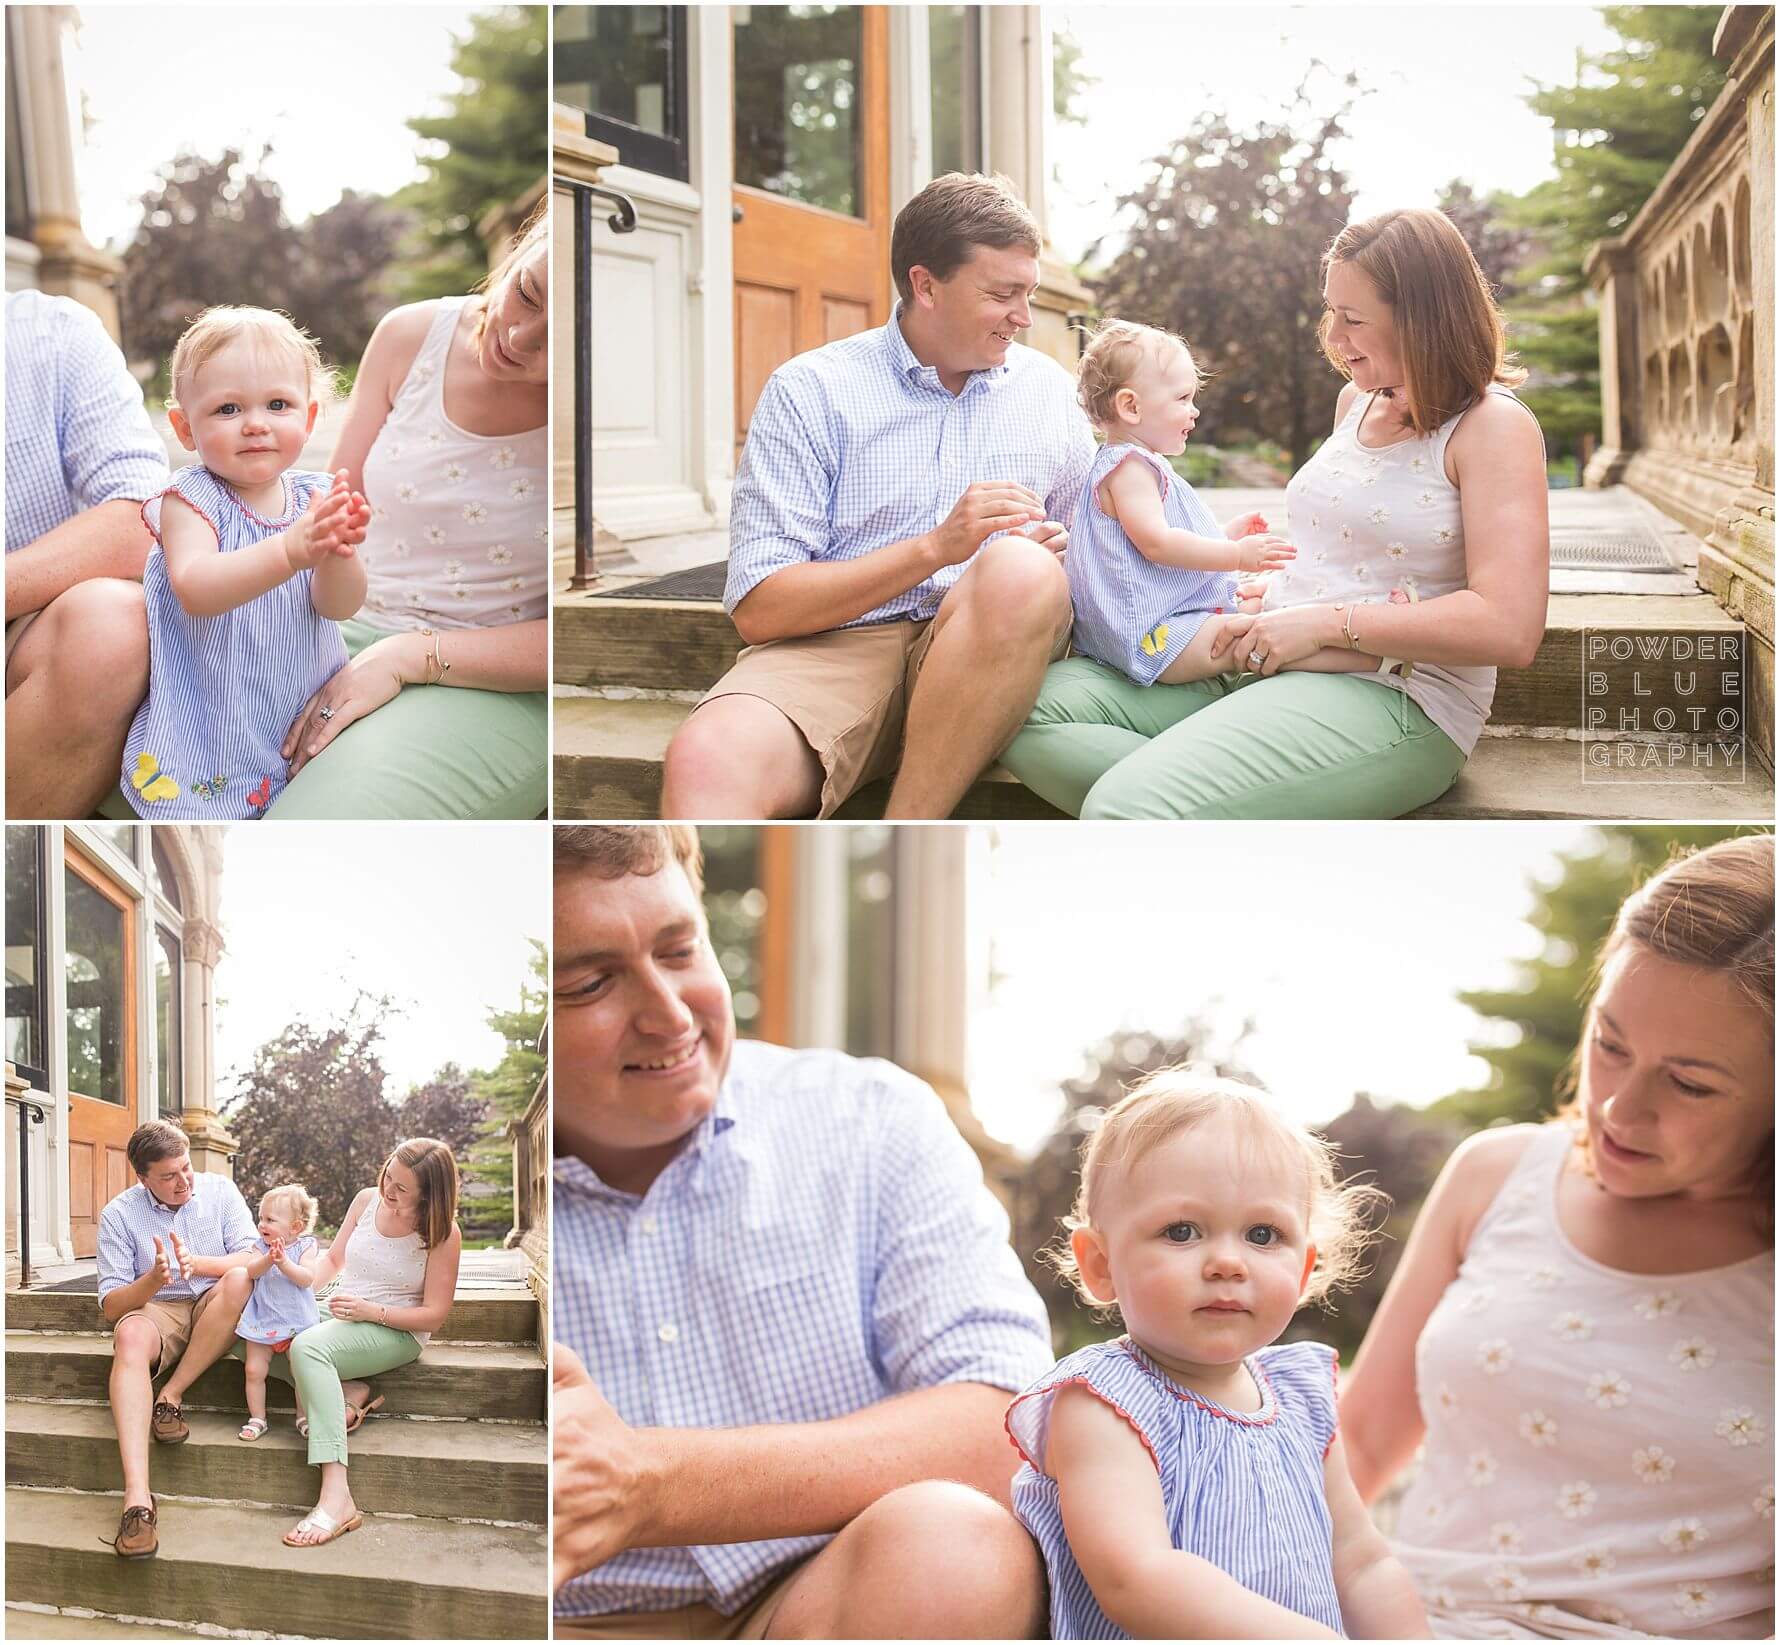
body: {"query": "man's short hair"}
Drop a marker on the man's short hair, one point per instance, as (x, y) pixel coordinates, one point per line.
(154, 1141)
(940, 228)
(643, 848)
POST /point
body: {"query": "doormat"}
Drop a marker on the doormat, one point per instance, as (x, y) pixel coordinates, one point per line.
(699, 582)
(87, 1285)
(1635, 552)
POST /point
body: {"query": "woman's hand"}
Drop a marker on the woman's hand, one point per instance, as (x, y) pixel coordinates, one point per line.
(1267, 641)
(343, 1306)
(363, 686)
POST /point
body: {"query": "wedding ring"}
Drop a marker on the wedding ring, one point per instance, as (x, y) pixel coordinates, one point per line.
(1255, 659)
(327, 713)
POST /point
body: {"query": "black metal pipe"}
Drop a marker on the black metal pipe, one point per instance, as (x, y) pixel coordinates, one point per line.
(583, 247)
(624, 219)
(30, 1113)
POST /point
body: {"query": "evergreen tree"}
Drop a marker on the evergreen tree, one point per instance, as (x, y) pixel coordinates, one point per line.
(490, 146)
(502, 1093)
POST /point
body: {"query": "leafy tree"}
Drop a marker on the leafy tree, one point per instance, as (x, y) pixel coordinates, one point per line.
(486, 150)
(1069, 80)
(1499, 244)
(348, 253)
(446, 1108)
(313, 1108)
(1226, 249)
(501, 1094)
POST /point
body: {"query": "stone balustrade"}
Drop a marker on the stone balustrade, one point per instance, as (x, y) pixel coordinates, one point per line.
(530, 1134)
(1686, 306)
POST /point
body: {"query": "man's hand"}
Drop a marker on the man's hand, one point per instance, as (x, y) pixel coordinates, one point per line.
(985, 508)
(163, 1269)
(597, 1473)
(1264, 552)
(181, 1255)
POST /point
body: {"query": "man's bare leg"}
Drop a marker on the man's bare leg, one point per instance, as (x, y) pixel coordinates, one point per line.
(739, 757)
(936, 1560)
(212, 1336)
(135, 1347)
(73, 685)
(992, 641)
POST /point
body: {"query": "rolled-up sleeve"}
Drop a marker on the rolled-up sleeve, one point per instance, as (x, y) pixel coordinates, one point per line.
(780, 512)
(951, 1302)
(116, 1253)
(109, 446)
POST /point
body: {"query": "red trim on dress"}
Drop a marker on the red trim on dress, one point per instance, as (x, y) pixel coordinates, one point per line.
(1335, 1395)
(1073, 1382)
(1260, 1419)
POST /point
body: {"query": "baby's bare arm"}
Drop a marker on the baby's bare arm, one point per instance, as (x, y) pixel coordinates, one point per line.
(1378, 1601)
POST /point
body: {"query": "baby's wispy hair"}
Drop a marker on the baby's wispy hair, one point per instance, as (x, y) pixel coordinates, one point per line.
(1341, 1218)
(216, 328)
(1114, 351)
(303, 1209)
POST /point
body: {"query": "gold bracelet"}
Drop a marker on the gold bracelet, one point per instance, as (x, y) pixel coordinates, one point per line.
(435, 661)
(1347, 627)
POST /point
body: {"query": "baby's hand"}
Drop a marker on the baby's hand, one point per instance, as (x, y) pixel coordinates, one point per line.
(332, 524)
(276, 1246)
(1245, 525)
(1264, 552)
(1249, 604)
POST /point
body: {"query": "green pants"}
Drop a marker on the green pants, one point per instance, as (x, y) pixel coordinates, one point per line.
(326, 1355)
(431, 751)
(1238, 746)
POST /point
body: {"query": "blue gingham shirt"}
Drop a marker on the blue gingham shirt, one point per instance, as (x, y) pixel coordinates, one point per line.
(823, 1241)
(857, 445)
(214, 1222)
(77, 434)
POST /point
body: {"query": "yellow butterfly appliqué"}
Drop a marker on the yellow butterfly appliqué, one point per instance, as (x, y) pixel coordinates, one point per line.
(148, 784)
(1155, 640)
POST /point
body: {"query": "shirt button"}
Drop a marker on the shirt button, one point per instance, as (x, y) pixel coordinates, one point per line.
(650, 1226)
(669, 1332)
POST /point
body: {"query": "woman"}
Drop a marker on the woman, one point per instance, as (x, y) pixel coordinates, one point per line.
(441, 711)
(1580, 1333)
(396, 1257)
(1422, 539)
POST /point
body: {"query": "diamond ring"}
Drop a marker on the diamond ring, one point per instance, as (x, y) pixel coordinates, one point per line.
(1255, 660)
(328, 713)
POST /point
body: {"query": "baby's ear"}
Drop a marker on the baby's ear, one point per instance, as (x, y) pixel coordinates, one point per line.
(314, 407)
(1090, 1262)
(182, 427)
(1309, 1266)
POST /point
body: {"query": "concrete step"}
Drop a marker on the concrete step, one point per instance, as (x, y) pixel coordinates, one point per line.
(448, 1380)
(684, 645)
(608, 766)
(226, 1566)
(486, 1314)
(484, 1470)
(26, 1624)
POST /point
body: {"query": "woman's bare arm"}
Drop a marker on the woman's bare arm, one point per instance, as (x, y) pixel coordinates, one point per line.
(392, 349)
(439, 1287)
(332, 1262)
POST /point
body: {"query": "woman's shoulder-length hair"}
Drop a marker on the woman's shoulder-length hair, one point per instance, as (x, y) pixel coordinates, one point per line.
(1449, 328)
(435, 1169)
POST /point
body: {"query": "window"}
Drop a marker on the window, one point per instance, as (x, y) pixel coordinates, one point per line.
(624, 67)
(161, 874)
(955, 64)
(168, 1085)
(26, 1036)
(97, 971)
(797, 103)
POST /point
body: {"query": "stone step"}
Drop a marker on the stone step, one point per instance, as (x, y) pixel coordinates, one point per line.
(608, 766)
(448, 1380)
(441, 1470)
(226, 1566)
(686, 645)
(485, 1314)
(27, 1624)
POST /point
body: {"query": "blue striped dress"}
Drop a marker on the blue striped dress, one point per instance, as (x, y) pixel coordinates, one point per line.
(1241, 1489)
(207, 742)
(1130, 613)
(277, 1307)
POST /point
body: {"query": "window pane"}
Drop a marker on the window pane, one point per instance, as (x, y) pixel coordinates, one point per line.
(160, 873)
(121, 837)
(797, 103)
(735, 904)
(24, 948)
(617, 61)
(167, 1021)
(954, 40)
(95, 978)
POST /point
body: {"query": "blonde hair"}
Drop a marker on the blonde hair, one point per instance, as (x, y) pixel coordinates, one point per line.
(303, 1209)
(1114, 352)
(216, 328)
(1713, 910)
(1339, 1218)
(529, 233)
(435, 1169)
(1448, 325)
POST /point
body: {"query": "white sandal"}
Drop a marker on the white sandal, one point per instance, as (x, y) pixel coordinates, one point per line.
(302, 1426)
(319, 1519)
(252, 1428)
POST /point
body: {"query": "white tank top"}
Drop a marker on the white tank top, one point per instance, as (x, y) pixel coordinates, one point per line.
(1599, 1460)
(385, 1270)
(459, 533)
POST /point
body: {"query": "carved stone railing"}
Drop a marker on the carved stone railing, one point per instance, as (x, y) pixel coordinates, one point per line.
(531, 1198)
(1687, 347)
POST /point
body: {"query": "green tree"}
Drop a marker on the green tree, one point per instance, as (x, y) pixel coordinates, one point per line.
(1616, 132)
(1069, 80)
(486, 150)
(445, 1108)
(1225, 247)
(502, 1093)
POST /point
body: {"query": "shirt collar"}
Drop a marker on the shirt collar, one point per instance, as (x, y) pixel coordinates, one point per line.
(571, 1172)
(910, 369)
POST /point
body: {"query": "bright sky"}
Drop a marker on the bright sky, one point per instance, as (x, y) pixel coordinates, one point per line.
(329, 87)
(1346, 943)
(437, 914)
(1447, 83)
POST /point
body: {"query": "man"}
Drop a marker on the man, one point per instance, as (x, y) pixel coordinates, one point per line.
(895, 538)
(81, 457)
(789, 1318)
(172, 1282)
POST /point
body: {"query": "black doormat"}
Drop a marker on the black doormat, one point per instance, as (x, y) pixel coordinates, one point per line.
(86, 1285)
(699, 582)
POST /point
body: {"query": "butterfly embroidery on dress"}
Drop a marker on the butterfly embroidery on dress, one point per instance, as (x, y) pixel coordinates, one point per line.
(258, 797)
(1156, 640)
(210, 788)
(151, 782)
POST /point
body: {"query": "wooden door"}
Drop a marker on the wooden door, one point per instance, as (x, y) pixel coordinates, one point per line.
(102, 1048)
(812, 192)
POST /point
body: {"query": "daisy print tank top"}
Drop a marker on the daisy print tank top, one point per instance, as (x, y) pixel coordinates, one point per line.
(1599, 1455)
(459, 533)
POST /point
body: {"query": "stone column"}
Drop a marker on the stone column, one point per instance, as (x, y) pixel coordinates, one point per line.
(1612, 269)
(214, 1146)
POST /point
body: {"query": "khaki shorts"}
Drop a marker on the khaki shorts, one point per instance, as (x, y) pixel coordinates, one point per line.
(688, 1622)
(175, 1321)
(847, 691)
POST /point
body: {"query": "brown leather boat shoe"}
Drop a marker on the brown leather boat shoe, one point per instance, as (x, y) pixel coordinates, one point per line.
(136, 1538)
(167, 1425)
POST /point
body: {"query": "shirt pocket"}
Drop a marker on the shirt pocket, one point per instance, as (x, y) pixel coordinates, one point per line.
(805, 1346)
